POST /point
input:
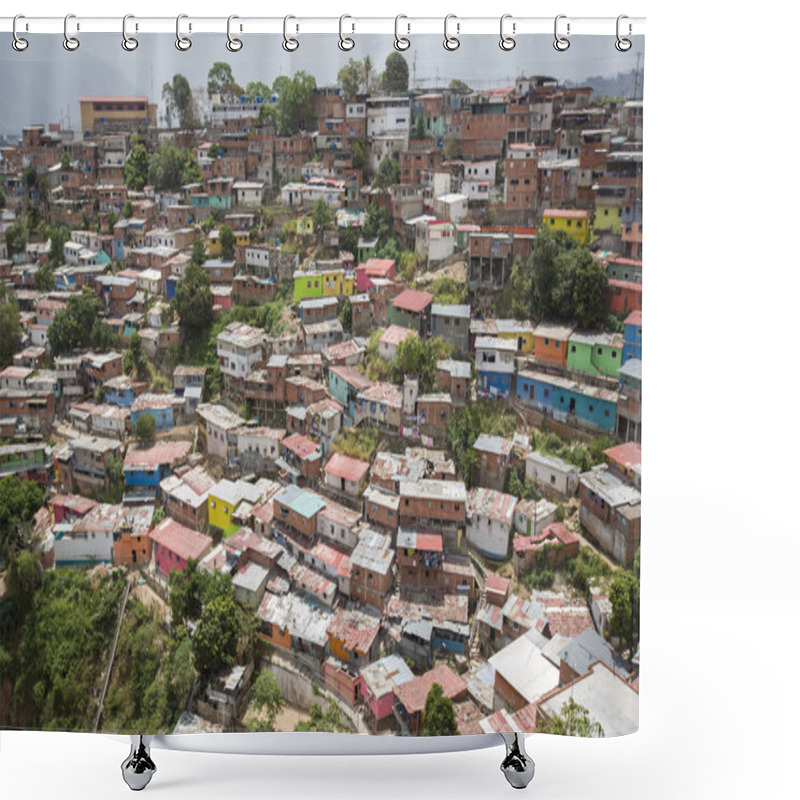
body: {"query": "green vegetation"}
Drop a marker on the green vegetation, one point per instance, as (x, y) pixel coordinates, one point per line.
(216, 637)
(153, 676)
(439, 715)
(136, 168)
(488, 415)
(360, 442)
(294, 111)
(267, 700)
(221, 82)
(171, 167)
(329, 721)
(178, 102)
(54, 646)
(346, 315)
(134, 361)
(322, 216)
(560, 281)
(418, 357)
(574, 720)
(449, 292)
(583, 457)
(72, 326)
(145, 427)
(10, 330)
(388, 173)
(395, 76)
(624, 596)
(227, 242)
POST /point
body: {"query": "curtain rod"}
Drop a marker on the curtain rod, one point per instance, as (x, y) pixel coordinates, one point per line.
(346, 25)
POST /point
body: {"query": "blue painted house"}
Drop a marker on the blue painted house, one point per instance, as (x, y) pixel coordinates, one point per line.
(568, 401)
(345, 383)
(494, 360)
(146, 467)
(171, 285)
(632, 347)
(452, 637)
(122, 390)
(158, 406)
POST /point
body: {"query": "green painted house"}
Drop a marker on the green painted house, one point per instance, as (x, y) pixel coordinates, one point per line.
(595, 353)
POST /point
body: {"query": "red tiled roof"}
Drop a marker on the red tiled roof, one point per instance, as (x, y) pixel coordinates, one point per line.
(568, 213)
(153, 456)
(350, 469)
(555, 530)
(631, 285)
(354, 629)
(495, 583)
(112, 98)
(525, 718)
(300, 445)
(182, 541)
(378, 266)
(412, 300)
(634, 318)
(352, 377)
(628, 454)
(413, 693)
(76, 503)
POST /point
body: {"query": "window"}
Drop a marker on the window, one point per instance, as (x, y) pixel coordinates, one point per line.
(573, 349)
(613, 354)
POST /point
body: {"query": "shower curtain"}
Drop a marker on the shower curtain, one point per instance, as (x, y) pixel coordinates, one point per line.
(320, 398)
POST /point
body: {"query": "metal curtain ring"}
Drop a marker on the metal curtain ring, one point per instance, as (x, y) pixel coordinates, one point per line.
(128, 42)
(183, 43)
(507, 42)
(451, 43)
(71, 43)
(289, 44)
(401, 42)
(19, 44)
(233, 44)
(561, 43)
(623, 45)
(345, 42)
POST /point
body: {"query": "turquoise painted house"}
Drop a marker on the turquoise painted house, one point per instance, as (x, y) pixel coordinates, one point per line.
(344, 384)
(632, 348)
(568, 401)
(595, 353)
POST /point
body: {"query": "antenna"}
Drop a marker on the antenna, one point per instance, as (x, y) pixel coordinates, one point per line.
(636, 78)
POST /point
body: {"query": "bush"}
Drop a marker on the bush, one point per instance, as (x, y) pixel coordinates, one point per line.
(145, 427)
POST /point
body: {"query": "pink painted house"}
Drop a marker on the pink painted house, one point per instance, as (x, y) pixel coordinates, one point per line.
(378, 683)
(174, 544)
(373, 268)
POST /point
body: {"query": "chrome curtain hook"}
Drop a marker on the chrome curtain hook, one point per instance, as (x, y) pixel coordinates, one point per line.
(71, 43)
(507, 42)
(345, 42)
(561, 43)
(128, 42)
(451, 43)
(289, 44)
(623, 45)
(19, 44)
(183, 43)
(401, 42)
(233, 44)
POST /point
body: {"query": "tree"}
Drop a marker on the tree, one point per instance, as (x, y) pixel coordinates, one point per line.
(379, 224)
(459, 85)
(186, 593)
(198, 254)
(573, 720)
(227, 241)
(136, 168)
(19, 501)
(418, 357)
(322, 216)
(388, 173)
(624, 596)
(346, 314)
(115, 480)
(216, 636)
(16, 238)
(350, 77)
(103, 336)
(193, 301)
(295, 109)
(178, 100)
(256, 89)
(395, 77)
(134, 361)
(267, 696)
(127, 209)
(220, 79)
(145, 427)
(23, 575)
(10, 331)
(439, 715)
(65, 162)
(170, 168)
(590, 296)
(367, 73)
(72, 326)
(419, 127)
(329, 720)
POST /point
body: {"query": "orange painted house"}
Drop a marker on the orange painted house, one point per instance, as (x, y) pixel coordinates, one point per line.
(550, 344)
(626, 296)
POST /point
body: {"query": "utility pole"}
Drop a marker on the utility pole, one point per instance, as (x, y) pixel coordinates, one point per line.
(636, 78)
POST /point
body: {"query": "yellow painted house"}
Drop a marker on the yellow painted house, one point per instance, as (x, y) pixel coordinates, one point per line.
(574, 222)
(226, 497)
(214, 246)
(519, 331)
(608, 217)
(337, 282)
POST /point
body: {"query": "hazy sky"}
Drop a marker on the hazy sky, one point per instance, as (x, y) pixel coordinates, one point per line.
(42, 84)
